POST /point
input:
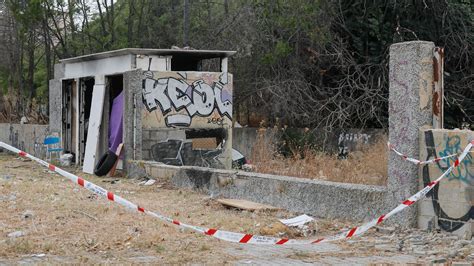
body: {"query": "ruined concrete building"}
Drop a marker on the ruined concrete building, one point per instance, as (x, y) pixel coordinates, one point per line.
(168, 105)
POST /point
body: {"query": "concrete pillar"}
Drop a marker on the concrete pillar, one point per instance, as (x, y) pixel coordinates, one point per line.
(410, 107)
(132, 123)
(55, 107)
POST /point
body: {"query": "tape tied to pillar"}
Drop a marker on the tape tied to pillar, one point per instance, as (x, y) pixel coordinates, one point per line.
(416, 161)
(234, 236)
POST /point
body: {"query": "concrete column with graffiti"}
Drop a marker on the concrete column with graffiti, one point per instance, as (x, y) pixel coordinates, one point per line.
(450, 205)
(410, 108)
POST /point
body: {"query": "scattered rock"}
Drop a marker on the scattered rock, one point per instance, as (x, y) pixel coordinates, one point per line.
(461, 263)
(471, 257)
(451, 237)
(433, 252)
(385, 230)
(462, 243)
(452, 253)
(465, 251)
(400, 245)
(27, 214)
(111, 181)
(386, 248)
(419, 242)
(439, 260)
(275, 229)
(149, 182)
(16, 234)
(420, 252)
(382, 241)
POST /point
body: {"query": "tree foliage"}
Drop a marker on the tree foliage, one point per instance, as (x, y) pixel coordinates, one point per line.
(303, 63)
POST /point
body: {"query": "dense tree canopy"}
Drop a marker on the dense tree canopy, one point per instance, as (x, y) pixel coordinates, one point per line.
(303, 63)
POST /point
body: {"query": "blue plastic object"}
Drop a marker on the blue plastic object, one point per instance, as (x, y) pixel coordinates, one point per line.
(52, 146)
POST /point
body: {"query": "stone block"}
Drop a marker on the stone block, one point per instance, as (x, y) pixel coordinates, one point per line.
(146, 154)
(145, 134)
(158, 135)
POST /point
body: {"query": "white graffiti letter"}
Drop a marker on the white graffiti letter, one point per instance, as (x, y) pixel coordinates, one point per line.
(223, 100)
(177, 93)
(203, 98)
(154, 92)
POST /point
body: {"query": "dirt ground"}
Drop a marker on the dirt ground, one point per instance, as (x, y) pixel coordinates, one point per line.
(45, 218)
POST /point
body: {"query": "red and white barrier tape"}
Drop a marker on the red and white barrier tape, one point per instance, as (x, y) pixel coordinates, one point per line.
(239, 237)
(415, 161)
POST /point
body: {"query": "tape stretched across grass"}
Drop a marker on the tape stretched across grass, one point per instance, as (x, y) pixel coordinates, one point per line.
(240, 237)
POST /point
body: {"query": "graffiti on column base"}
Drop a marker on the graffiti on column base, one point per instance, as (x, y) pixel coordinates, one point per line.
(463, 173)
(197, 98)
(445, 221)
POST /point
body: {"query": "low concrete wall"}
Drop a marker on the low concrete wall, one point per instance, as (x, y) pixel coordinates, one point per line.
(450, 205)
(318, 198)
(27, 137)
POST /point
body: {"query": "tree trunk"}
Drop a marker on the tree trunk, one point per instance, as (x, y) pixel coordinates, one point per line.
(70, 8)
(47, 53)
(131, 14)
(102, 22)
(31, 73)
(186, 23)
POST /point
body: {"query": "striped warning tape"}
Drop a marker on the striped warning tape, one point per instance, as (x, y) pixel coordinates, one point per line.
(416, 161)
(240, 237)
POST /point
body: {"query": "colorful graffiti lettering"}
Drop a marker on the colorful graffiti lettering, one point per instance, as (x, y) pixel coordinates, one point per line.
(198, 98)
(447, 221)
(462, 173)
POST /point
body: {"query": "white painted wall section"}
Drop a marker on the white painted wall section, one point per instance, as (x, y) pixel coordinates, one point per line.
(106, 66)
(158, 63)
(91, 156)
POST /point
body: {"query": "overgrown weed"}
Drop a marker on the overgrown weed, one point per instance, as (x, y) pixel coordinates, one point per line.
(366, 166)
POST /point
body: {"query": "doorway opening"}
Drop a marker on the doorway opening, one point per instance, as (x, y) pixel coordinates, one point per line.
(112, 115)
(86, 86)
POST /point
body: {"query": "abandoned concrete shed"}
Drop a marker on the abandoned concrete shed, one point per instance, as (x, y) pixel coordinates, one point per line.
(168, 105)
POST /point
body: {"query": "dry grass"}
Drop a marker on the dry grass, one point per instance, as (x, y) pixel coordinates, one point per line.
(72, 225)
(367, 166)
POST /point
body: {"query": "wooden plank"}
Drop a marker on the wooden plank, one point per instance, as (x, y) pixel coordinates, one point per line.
(245, 204)
(204, 144)
(118, 153)
(93, 131)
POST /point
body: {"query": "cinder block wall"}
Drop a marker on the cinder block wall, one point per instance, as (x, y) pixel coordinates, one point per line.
(153, 136)
(450, 205)
(27, 137)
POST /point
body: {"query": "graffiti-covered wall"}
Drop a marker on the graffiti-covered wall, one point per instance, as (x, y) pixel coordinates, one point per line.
(450, 205)
(187, 99)
(187, 118)
(26, 137)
